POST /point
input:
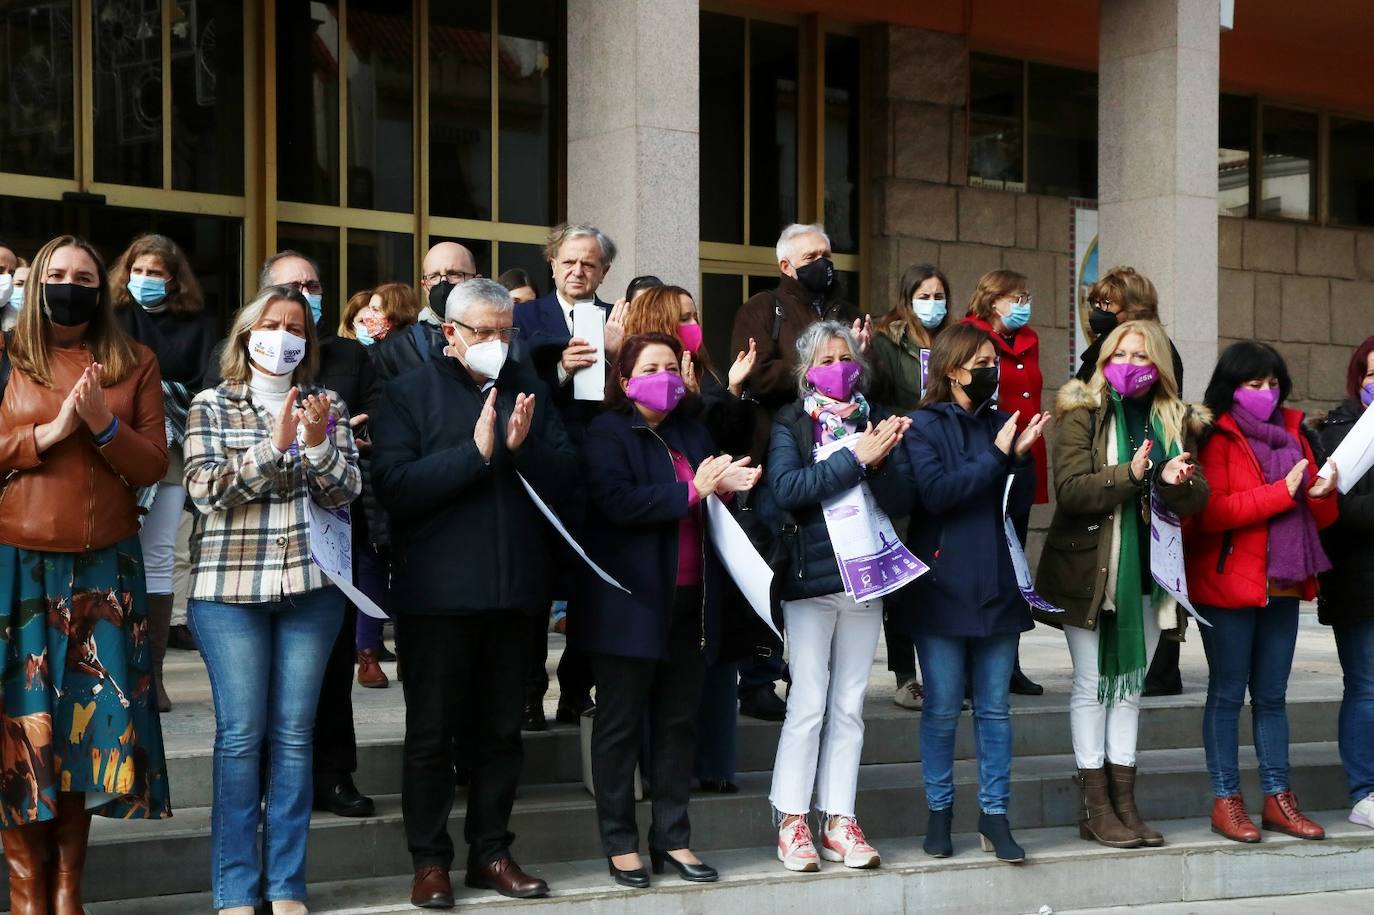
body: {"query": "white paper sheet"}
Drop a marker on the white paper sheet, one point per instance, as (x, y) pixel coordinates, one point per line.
(563, 532)
(1355, 454)
(331, 547)
(743, 563)
(1166, 554)
(589, 323)
(1018, 558)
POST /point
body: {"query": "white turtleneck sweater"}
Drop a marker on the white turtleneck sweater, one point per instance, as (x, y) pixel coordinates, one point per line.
(269, 392)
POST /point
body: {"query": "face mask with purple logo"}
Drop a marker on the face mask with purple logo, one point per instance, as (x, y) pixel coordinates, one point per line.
(1130, 380)
(835, 380)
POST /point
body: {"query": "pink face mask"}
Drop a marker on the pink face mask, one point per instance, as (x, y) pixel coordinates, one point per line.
(1259, 404)
(660, 392)
(1130, 380)
(1367, 394)
(690, 335)
(835, 380)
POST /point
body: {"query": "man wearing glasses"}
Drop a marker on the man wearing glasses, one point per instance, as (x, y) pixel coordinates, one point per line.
(453, 436)
(445, 266)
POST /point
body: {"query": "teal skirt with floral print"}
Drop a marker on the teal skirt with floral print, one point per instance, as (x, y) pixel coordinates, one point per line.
(79, 708)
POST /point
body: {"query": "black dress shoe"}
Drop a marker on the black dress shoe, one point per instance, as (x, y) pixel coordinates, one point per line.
(180, 638)
(1022, 685)
(637, 879)
(385, 654)
(344, 799)
(714, 786)
(533, 719)
(1164, 688)
(571, 712)
(763, 703)
(692, 873)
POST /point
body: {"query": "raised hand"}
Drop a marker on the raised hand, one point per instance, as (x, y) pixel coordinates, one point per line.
(738, 476)
(615, 326)
(744, 364)
(1140, 461)
(314, 419)
(521, 418)
(1323, 487)
(689, 373)
(1179, 470)
(863, 330)
(1031, 434)
(284, 429)
(484, 432)
(1294, 478)
(578, 354)
(90, 402)
(1006, 436)
(709, 473)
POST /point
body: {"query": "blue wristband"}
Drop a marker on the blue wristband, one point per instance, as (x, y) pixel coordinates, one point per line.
(108, 435)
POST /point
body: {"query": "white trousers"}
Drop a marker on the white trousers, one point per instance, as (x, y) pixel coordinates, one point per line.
(158, 537)
(1103, 733)
(831, 644)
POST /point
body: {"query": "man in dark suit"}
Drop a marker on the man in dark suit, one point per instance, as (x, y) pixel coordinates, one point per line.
(445, 266)
(580, 256)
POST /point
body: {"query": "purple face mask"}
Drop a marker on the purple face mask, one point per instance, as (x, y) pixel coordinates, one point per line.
(1130, 380)
(1259, 404)
(1367, 393)
(660, 392)
(835, 380)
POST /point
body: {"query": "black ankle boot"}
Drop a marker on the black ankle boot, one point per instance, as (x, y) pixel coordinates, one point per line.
(994, 834)
(937, 843)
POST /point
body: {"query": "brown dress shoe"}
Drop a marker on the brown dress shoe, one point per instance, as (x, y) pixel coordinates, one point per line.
(1229, 819)
(1281, 814)
(506, 877)
(432, 888)
(370, 673)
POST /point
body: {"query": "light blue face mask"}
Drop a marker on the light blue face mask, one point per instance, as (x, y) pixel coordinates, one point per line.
(316, 306)
(1018, 318)
(17, 297)
(365, 338)
(931, 312)
(147, 290)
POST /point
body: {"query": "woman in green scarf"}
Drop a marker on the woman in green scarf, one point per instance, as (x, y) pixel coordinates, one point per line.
(1123, 435)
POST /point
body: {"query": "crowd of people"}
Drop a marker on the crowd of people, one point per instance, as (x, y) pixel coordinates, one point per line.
(439, 420)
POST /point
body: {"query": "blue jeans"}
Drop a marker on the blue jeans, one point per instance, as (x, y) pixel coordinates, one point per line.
(989, 662)
(1355, 646)
(265, 662)
(1250, 647)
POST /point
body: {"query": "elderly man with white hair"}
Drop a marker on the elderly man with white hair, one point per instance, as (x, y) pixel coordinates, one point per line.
(452, 439)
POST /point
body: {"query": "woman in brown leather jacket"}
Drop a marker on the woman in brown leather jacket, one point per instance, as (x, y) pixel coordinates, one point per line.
(80, 430)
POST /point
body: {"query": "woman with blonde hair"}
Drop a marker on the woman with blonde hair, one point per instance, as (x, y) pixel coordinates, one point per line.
(160, 305)
(80, 428)
(263, 450)
(1124, 437)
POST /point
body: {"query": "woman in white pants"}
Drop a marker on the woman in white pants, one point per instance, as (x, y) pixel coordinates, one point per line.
(831, 636)
(1123, 435)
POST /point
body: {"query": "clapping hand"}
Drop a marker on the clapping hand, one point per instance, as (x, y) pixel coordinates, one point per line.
(1140, 461)
(90, 400)
(709, 474)
(689, 373)
(1179, 470)
(518, 426)
(1294, 478)
(863, 331)
(878, 441)
(484, 432)
(615, 326)
(744, 364)
(738, 477)
(313, 417)
(1031, 434)
(1324, 486)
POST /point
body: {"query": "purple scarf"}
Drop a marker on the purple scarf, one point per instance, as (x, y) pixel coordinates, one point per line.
(1295, 550)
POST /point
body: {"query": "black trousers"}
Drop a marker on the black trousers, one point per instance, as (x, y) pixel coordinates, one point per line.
(467, 666)
(632, 693)
(1164, 673)
(336, 746)
(574, 668)
(901, 650)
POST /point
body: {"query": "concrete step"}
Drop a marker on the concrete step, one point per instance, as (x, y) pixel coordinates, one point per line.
(557, 823)
(1344, 902)
(1040, 727)
(1062, 872)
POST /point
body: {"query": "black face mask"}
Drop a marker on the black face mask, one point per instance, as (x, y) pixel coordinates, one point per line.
(817, 275)
(1101, 322)
(70, 304)
(982, 386)
(438, 298)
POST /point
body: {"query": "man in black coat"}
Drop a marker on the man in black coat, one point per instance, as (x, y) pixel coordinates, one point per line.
(445, 265)
(454, 436)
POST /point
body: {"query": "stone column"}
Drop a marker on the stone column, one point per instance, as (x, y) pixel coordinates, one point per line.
(633, 134)
(1157, 162)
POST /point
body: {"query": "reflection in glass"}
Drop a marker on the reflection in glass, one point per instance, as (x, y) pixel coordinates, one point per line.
(772, 131)
(207, 96)
(36, 129)
(1288, 156)
(375, 258)
(381, 116)
(847, 286)
(529, 258)
(842, 142)
(1235, 137)
(526, 66)
(308, 101)
(127, 91)
(721, 296)
(1352, 172)
(1063, 131)
(995, 122)
(722, 128)
(460, 110)
(29, 224)
(320, 244)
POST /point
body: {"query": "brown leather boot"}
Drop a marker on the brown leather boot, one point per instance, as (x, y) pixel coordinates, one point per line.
(1099, 821)
(159, 626)
(1281, 814)
(25, 849)
(71, 831)
(370, 673)
(1121, 786)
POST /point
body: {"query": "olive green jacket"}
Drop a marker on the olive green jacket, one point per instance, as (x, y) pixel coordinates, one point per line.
(896, 363)
(1077, 569)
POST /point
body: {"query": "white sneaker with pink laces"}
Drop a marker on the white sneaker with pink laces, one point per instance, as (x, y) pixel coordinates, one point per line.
(796, 850)
(845, 842)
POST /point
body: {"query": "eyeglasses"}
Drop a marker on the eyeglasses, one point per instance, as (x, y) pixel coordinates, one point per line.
(488, 333)
(311, 286)
(453, 276)
(1024, 298)
(1102, 304)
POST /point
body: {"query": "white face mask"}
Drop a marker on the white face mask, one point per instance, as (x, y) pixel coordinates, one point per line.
(6, 287)
(486, 358)
(276, 351)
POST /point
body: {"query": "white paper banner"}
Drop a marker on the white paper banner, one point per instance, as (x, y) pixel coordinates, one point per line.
(1018, 558)
(1354, 455)
(331, 547)
(563, 532)
(1166, 554)
(743, 563)
(872, 559)
(589, 323)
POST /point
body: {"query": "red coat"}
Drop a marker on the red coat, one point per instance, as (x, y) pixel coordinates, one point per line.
(1020, 386)
(1227, 543)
